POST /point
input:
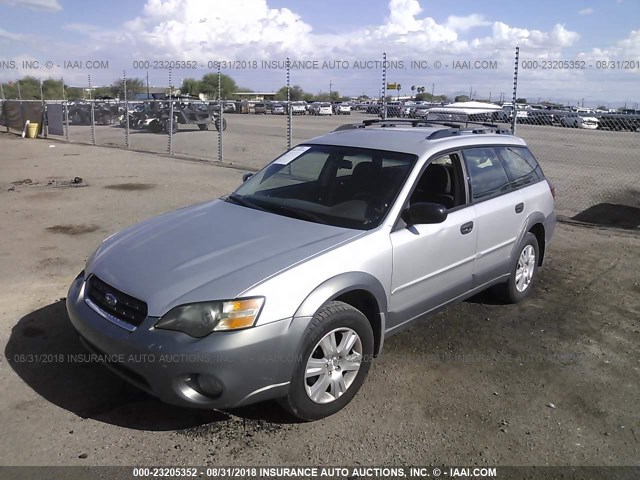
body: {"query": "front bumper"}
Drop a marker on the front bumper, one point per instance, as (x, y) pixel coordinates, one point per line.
(244, 367)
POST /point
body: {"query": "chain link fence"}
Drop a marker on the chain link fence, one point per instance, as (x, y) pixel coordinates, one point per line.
(590, 155)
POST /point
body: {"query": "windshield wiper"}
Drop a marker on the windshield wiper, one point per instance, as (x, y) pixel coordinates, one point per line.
(300, 214)
(238, 200)
(277, 209)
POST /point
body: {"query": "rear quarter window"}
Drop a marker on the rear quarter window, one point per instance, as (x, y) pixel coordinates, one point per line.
(486, 173)
(520, 165)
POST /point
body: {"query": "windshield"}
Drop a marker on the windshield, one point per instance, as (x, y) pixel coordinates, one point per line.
(341, 186)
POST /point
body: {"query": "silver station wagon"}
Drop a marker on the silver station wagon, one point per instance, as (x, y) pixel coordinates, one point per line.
(287, 288)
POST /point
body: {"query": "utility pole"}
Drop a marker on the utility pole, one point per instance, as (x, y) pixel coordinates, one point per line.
(148, 96)
(433, 89)
(330, 85)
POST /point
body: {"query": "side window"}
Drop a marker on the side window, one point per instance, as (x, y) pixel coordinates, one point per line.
(441, 182)
(520, 165)
(488, 177)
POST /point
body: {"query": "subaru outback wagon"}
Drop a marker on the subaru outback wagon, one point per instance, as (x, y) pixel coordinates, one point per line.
(287, 288)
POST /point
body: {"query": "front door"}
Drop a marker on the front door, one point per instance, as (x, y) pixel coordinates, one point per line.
(434, 263)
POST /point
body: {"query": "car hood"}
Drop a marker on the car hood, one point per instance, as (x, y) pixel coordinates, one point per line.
(211, 251)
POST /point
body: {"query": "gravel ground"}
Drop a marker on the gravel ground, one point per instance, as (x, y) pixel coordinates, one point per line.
(552, 381)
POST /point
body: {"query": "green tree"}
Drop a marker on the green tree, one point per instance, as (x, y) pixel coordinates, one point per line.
(296, 93)
(134, 85)
(209, 86)
(52, 89)
(521, 100)
(461, 98)
(190, 86)
(74, 93)
(27, 88)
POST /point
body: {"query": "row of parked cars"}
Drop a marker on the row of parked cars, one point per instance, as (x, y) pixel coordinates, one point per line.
(585, 118)
(301, 108)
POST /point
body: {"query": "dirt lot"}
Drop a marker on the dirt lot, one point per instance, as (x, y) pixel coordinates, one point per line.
(552, 381)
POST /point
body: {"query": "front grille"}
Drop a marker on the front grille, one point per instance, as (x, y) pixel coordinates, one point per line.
(116, 303)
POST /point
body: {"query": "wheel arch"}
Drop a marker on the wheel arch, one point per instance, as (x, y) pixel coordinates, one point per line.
(538, 230)
(535, 225)
(360, 290)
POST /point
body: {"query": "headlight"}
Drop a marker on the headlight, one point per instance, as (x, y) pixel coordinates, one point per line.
(200, 319)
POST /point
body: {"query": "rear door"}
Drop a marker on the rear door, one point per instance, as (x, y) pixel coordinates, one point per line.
(500, 212)
(526, 176)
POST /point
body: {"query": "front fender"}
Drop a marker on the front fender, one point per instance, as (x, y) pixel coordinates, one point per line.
(341, 284)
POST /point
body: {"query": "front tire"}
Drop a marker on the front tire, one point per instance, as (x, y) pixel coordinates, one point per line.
(334, 360)
(523, 272)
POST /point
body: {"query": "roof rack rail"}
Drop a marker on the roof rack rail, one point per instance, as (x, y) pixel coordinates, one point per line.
(450, 132)
(348, 126)
(456, 127)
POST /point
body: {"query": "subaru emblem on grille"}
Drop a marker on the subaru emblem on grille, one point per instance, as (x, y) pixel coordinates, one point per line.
(111, 299)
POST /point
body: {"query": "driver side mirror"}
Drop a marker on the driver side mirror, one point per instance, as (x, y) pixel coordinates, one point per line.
(425, 213)
(246, 176)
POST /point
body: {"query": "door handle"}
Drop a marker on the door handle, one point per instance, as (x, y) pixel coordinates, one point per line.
(519, 207)
(466, 228)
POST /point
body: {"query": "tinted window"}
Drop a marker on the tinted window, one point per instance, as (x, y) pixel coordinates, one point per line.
(520, 165)
(486, 173)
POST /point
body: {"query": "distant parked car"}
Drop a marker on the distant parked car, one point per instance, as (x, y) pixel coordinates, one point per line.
(575, 120)
(343, 109)
(504, 115)
(277, 109)
(324, 109)
(260, 108)
(298, 108)
(541, 117)
(394, 109)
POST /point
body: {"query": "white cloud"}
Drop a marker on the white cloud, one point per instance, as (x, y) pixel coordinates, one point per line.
(505, 36)
(585, 11)
(5, 35)
(462, 24)
(46, 5)
(207, 30)
(252, 30)
(625, 49)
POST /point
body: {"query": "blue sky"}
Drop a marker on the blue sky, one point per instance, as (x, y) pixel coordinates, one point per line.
(122, 32)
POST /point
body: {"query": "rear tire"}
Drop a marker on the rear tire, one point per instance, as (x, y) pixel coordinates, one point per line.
(338, 346)
(216, 123)
(523, 272)
(203, 126)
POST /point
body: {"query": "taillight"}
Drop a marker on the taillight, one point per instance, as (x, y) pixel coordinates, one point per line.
(553, 189)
